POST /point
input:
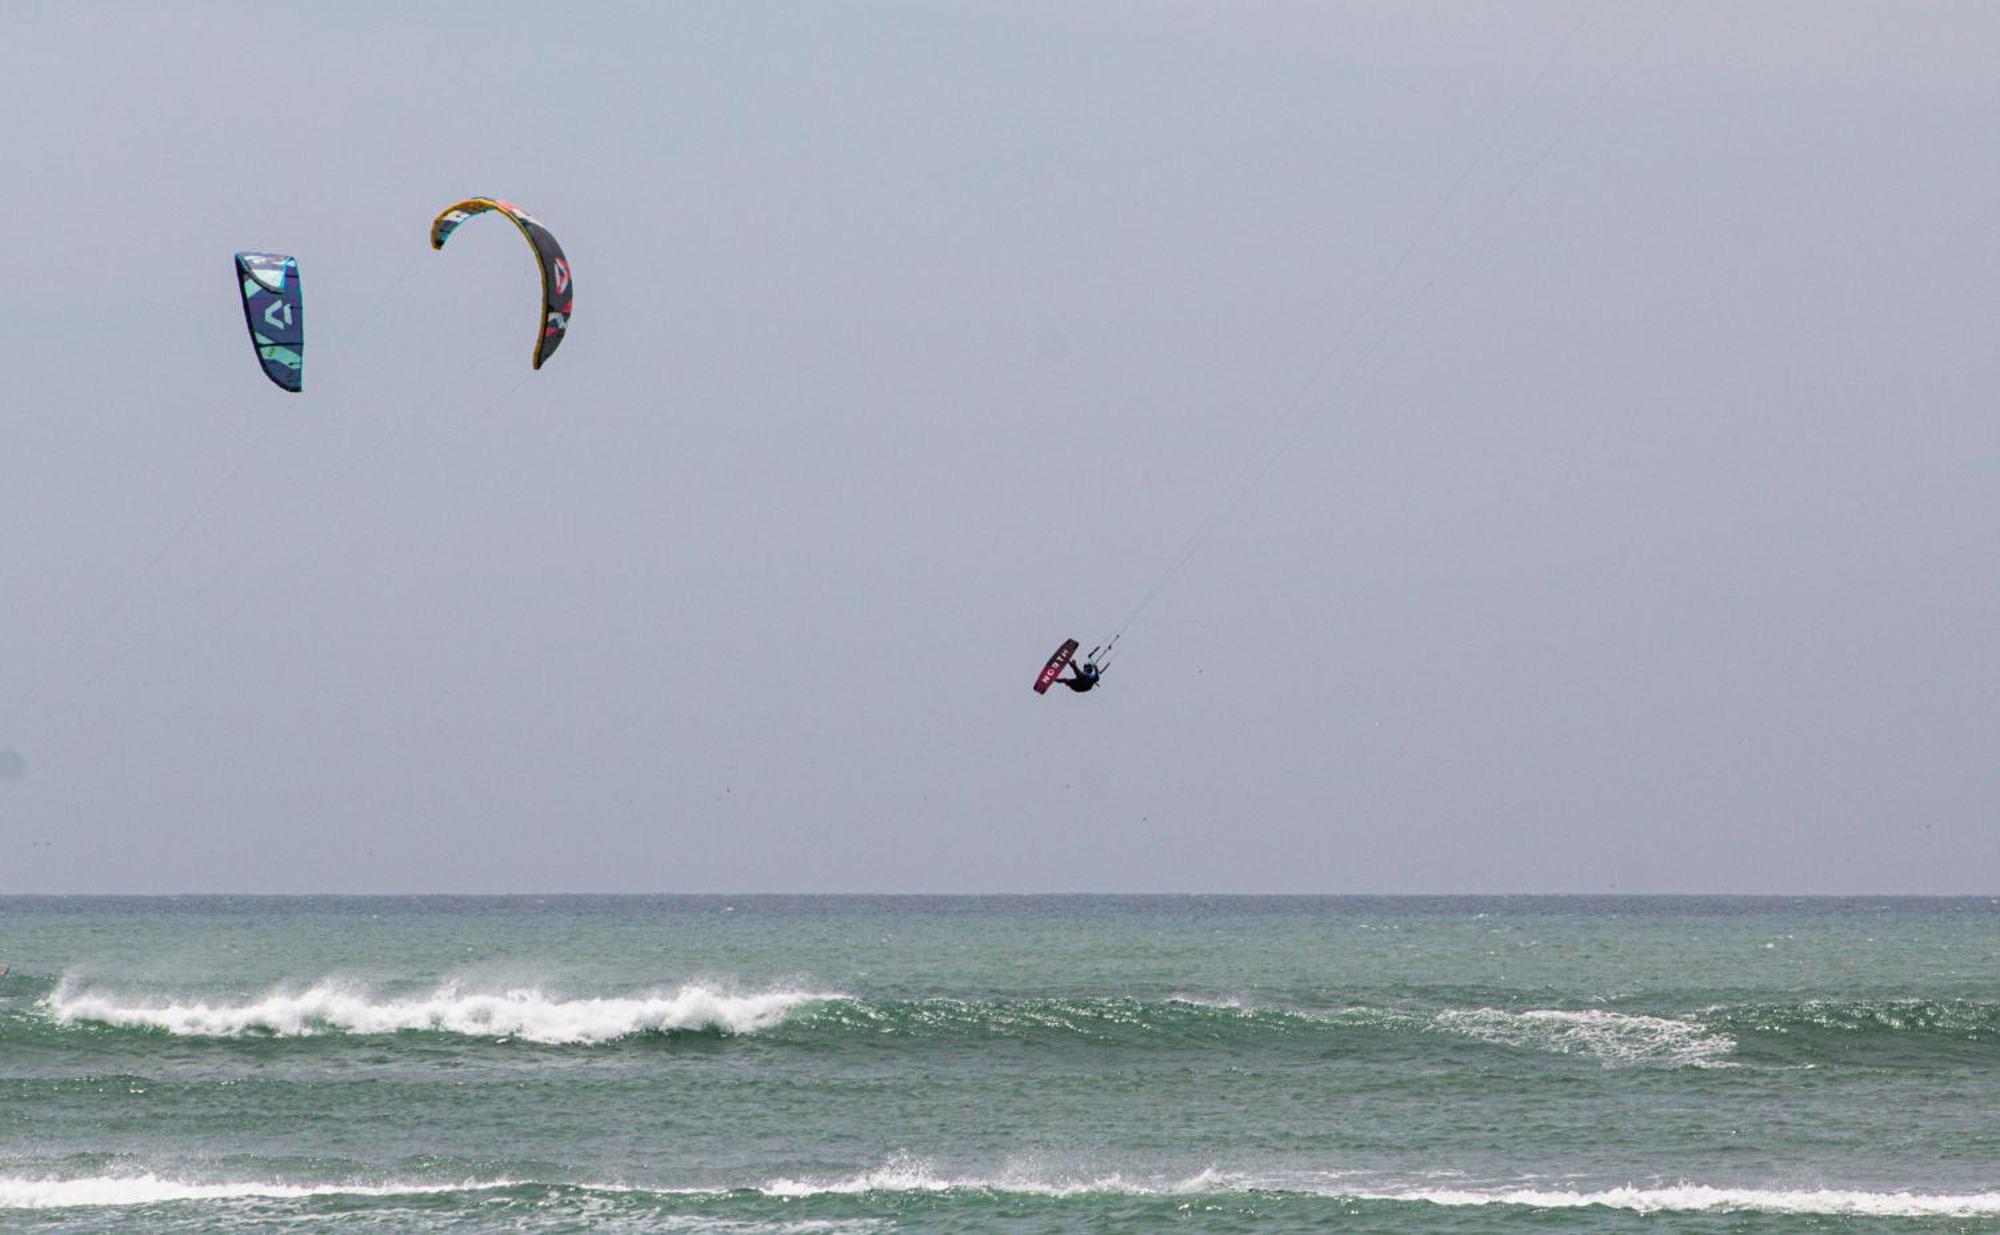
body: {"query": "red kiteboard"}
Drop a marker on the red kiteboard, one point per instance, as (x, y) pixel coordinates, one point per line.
(1053, 670)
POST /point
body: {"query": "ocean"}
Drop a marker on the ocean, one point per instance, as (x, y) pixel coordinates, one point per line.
(999, 1064)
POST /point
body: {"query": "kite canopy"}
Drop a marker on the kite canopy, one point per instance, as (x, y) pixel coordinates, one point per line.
(274, 310)
(557, 290)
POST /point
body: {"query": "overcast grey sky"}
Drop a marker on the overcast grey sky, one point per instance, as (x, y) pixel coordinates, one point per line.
(1652, 550)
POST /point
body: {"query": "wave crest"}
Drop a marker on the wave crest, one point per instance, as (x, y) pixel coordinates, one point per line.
(904, 1174)
(333, 1007)
(1616, 1039)
(1702, 1198)
(1971, 1020)
(102, 1191)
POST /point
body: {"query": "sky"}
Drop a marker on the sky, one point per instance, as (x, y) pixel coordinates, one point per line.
(1584, 414)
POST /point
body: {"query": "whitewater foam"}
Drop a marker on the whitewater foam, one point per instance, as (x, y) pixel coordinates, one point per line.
(133, 1191)
(908, 1174)
(123, 1190)
(905, 1174)
(334, 1007)
(1616, 1038)
(1701, 1198)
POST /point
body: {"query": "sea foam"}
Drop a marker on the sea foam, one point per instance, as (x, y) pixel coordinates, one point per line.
(904, 1174)
(121, 1190)
(1701, 1198)
(1616, 1038)
(334, 1007)
(907, 1175)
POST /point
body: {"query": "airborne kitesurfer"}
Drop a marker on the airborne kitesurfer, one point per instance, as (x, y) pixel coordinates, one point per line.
(1083, 674)
(1082, 677)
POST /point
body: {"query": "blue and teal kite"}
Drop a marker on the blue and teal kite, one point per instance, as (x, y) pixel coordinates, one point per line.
(275, 312)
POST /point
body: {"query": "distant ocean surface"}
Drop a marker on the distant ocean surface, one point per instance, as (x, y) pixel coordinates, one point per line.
(1006, 1064)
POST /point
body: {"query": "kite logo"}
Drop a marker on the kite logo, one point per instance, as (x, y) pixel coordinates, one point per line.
(562, 276)
(271, 314)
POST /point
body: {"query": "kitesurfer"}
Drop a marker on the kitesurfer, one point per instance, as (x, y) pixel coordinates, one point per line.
(1082, 677)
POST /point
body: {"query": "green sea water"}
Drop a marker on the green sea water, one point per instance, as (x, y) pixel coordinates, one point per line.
(1104, 1064)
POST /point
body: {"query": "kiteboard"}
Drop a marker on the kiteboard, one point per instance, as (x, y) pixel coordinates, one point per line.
(1053, 670)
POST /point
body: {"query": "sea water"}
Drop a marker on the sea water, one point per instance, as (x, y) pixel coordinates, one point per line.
(1007, 1064)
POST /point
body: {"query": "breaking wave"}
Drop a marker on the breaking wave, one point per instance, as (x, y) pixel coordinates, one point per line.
(913, 1175)
(1882, 1031)
(331, 1007)
(150, 1189)
(1701, 1198)
(906, 1176)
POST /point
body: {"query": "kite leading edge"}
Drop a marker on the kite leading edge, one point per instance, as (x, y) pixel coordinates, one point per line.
(558, 291)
